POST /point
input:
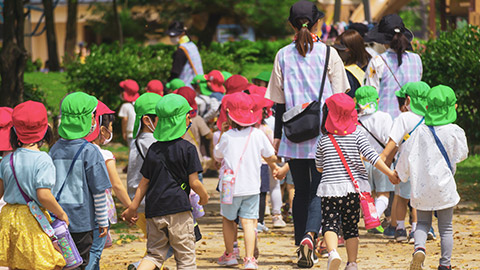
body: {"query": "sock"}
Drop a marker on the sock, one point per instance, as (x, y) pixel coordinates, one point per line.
(381, 203)
(400, 224)
(330, 253)
(414, 226)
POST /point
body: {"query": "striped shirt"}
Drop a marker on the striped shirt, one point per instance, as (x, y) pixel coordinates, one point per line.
(101, 209)
(335, 179)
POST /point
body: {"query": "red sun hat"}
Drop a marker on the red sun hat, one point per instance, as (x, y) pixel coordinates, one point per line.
(189, 94)
(222, 117)
(155, 86)
(5, 126)
(259, 90)
(240, 109)
(130, 90)
(236, 83)
(101, 110)
(30, 121)
(215, 81)
(258, 105)
(342, 115)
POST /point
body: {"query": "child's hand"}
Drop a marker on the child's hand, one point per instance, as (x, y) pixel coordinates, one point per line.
(64, 217)
(130, 216)
(281, 172)
(394, 178)
(204, 200)
(103, 231)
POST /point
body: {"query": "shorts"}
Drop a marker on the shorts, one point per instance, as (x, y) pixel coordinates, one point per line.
(341, 212)
(265, 177)
(403, 189)
(377, 180)
(288, 179)
(242, 206)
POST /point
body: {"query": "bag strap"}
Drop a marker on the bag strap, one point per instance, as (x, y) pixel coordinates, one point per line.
(324, 74)
(70, 169)
(441, 148)
(344, 161)
(139, 150)
(406, 137)
(25, 196)
(193, 137)
(399, 85)
(244, 149)
(376, 139)
(189, 59)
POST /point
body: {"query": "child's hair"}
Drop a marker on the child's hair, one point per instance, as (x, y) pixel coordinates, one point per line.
(400, 44)
(15, 143)
(106, 119)
(304, 42)
(234, 125)
(324, 119)
(152, 118)
(401, 101)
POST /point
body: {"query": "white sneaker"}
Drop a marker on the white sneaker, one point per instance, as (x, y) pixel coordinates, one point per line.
(278, 222)
(418, 259)
(351, 266)
(334, 260)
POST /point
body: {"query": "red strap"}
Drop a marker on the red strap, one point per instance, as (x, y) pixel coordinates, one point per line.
(340, 154)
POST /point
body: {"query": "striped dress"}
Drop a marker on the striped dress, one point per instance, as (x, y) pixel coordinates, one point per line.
(335, 180)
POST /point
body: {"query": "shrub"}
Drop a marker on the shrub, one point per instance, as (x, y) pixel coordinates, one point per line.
(453, 59)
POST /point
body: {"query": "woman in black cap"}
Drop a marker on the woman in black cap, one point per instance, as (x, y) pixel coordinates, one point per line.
(187, 62)
(389, 71)
(297, 78)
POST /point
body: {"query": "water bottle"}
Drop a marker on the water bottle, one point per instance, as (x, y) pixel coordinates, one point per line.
(67, 245)
(197, 209)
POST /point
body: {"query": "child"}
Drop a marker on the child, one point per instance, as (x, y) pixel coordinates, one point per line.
(170, 169)
(376, 126)
(24, 244)
(340, 199)
(127, 112)
(103, 134)
(207, 106)
(262, 79)
(175, 84)
(240, 150)
(5, 147)
(236, 83)
(429, 160)
(84, 179)
(414, 94)
(155, 86)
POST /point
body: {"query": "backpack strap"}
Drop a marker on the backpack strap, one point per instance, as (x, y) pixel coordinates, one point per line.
(371, 134)
(189, 59)
(24, 195)
(407, 136)
(441, 148)
(70, 169)
(139, 150)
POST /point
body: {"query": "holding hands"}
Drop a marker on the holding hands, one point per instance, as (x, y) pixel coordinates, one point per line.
(130, 215)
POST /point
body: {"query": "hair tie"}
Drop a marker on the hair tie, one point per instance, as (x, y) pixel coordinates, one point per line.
(305, 25)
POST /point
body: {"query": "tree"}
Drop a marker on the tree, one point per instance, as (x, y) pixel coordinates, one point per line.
(53, 62)
(71, 31)
(13, 56)
(118, 25)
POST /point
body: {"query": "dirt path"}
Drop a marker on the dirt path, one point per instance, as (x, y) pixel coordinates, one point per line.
(278, 252)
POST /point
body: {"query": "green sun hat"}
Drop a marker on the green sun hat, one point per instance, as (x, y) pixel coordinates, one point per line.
(264, 76)
(226, 75)
(417, 91)
(365, 95)
(441, 109)
(202, 84)
(171, 111)
(145, 104)
(76, 120)
(175, 84)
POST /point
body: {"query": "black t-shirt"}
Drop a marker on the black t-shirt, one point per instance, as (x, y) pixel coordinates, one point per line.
(179, 61)
(167, 165)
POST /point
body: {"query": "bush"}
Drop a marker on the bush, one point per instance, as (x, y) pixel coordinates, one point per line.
(453, 59)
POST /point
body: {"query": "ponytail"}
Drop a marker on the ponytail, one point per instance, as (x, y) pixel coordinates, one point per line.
(400, 44)
(304, 41)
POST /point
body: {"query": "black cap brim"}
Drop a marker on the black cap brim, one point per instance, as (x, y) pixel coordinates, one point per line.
(375, 36)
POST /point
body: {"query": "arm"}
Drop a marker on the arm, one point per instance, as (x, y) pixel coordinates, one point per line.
(198, 187)
(281, 172)
(131, 213)
(389, 152)
(117, 185)
(45, 197)
(337, 74)
(2, 190)
(277, 133)
(179, 61)
(124, 127)
(271, 162)
(101, 212)
(209, 136)
(392, 176)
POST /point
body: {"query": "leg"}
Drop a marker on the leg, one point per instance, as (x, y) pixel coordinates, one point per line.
(401, 212)
(84, 242)
(261, 211)
(423, 226)
(96, 251)
(330, 221)
(181, 237)
(249, 233)
(229, 234)
(276, 196)
(381, 202)
(352, 249)
(350, 213)
(314, 218)
(445, 228)
(157, 243)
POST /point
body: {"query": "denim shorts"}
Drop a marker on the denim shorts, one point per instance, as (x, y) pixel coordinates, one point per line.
(403, 189)
(242, 206)
(377, 180)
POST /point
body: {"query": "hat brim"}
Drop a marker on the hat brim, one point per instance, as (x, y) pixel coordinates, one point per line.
(375, 36)
(129, 97)
(440, 118)
(419, 108)
(243, 119)
(217, 88)
(174, 32)
(171, 128)
(333, 126)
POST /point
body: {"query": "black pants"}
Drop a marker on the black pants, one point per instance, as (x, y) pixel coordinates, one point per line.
(341, 213)
(83, 241)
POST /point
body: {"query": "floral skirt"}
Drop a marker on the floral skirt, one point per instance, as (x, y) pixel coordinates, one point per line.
(23, 243)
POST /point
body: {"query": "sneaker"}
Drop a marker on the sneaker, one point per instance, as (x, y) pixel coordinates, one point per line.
(250, 263)
(385, 223)
(341, 241)
(431, 234)
(133, 266)
(228, 259)
(389, 232)
(401, 235)
(236, 252)
(334, 260)
(267, 211)
(411, 239)
(351, 266)
(321, 250)
(377, 230)
(305, 253)
(418, 259)
(443, 267)
(261, 227)
(278, 222)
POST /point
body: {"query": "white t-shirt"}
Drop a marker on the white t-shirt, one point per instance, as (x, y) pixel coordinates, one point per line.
(107, 155)
(402, 125)
(230, 148)
(127, 110)
(380, 125)
(433, 184)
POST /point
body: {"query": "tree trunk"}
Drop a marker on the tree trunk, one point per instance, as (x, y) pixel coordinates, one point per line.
(71, 35)
(206, 36)
(13, 56)
(53, 62)
(118, 25)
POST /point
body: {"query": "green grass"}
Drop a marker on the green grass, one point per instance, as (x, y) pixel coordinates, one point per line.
(468, 179)
(252, 70)
(53, 84)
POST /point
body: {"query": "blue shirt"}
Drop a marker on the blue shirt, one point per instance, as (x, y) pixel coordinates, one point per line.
(34, 170)
(89, 176)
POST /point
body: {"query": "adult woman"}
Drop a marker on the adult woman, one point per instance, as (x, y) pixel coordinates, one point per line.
(392, 69)
(296, 79)
(351, 48)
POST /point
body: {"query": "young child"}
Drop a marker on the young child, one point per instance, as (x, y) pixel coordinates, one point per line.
(429, 160)
(241, 149)
(340, 198)
(170, 169)
(376, 126)
(414, 94)
(207, 106)
(155, 86)
(84, 179)
(24, 245)
(5, 147)
(102, 135)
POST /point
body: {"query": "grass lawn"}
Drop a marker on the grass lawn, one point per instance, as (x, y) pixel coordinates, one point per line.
(53, 84)
(468, 179)
(252, 70)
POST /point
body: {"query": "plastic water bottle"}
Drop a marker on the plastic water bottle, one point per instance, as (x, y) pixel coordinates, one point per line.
(197, 209)
(67, 245)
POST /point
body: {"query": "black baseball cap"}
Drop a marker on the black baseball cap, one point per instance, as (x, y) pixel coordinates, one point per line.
(176, 28)
(388, 26)
(304, 9)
